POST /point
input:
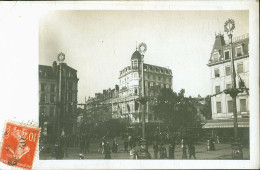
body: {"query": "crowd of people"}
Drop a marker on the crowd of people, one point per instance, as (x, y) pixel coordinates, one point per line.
(161, 148)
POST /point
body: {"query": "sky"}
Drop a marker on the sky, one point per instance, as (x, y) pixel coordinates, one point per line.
(98, 44)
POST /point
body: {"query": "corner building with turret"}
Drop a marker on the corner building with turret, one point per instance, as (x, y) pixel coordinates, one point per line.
(130, 89)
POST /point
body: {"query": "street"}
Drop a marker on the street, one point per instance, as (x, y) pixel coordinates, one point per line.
(223, 151)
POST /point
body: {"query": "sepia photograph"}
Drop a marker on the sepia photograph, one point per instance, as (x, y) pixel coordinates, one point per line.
(129, 85)
(136, 84)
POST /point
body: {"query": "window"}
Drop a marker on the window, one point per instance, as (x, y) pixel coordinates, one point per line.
(69, 97)
(228, 86)
(148, 76)
(70, 86)
(135, 65)
(159, 78)
(149, 117)
(218, 104)
(240, 68)
(215, 57)
(43, 87)
(217, 88)
(145, 68)
(154, 77)
(238, 51)
(52, 114)
(243, 105)
(164, 79)
(162, 86)
(230, 106)
(217, 73)
(228, 70)
(227, 55)
(43, 98)
(52, 87)
(52, 98)
(42, 111)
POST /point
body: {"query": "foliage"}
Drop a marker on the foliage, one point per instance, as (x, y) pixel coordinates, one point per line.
(206, 110)
(175, 109)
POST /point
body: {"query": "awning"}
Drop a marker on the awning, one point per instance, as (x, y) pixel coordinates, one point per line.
(224, 125)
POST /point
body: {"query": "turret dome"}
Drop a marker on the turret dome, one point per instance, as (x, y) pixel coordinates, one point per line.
(136, 55)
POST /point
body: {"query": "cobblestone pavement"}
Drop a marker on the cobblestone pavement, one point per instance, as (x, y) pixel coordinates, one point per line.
(223, 151)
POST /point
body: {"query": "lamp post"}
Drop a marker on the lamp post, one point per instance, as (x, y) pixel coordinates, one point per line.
(61, 58)
(233, 92)
(144, 154)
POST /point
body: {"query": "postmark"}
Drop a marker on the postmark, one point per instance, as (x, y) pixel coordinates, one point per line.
(19, 145)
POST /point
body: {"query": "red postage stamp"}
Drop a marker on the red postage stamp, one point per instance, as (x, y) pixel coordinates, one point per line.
(19, 145)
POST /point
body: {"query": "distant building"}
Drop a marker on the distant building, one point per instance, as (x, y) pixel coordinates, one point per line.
(130, 88)
(220, 75)
(99, 108)
(57, 116)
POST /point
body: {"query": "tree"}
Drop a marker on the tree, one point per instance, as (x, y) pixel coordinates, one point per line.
(206, 109)
(175, 109)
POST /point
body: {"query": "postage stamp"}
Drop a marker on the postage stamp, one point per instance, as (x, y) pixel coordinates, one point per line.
(19, 145)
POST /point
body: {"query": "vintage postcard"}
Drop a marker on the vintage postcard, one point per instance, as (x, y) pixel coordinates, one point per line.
(131, 84)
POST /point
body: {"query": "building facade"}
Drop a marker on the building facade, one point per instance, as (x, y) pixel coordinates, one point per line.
(99, 108)
(58, 90)
(130, 89)
(220, 75)
(122, 101)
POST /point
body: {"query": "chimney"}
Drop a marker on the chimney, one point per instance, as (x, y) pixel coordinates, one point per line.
(117, 87)
(54, 66)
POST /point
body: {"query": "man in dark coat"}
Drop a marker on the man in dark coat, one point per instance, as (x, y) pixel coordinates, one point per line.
(115, 146)
(126, 145)
(82, 143)
(163, 152)
(107, 151)
(191, 151)
(155, 150)
(172, 149)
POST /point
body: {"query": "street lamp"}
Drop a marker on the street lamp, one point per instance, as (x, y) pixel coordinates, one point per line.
(144, 154)
(61, 58)
(233, 92)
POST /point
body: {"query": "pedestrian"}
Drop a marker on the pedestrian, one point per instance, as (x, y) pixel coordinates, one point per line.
(115, 146)
(130, 142)
(155, 149)
(172, 149)
(163, 152)
(218, 139)
(191, 150)
(107, 151)
(212, 145)
(102, 144)
(87, 140)
(126, 145)
(133, 153)
(82, 143)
